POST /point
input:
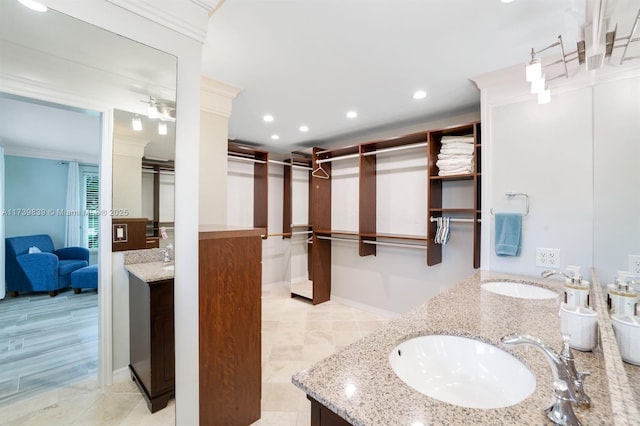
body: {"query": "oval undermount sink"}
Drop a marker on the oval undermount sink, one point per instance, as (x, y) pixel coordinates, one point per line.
(462, 371)
(519, 290)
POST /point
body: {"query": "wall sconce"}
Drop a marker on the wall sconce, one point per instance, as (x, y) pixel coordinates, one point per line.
(136, 123)
(162, 128)
(591, 52)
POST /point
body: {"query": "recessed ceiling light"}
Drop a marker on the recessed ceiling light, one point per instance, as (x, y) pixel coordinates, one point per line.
(420, 94)
(275, 137)
(506, 1)
(304, 128)
(268, 118)
(352, 114)
(34, 5)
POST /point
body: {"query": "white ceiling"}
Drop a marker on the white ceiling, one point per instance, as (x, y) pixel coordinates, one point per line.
(310, 61)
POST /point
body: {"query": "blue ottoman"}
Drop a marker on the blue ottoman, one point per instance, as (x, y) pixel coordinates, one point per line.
(86, 277)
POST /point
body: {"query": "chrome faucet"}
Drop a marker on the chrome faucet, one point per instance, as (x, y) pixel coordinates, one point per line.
(547, 274)
(167, 258)
(562, 366)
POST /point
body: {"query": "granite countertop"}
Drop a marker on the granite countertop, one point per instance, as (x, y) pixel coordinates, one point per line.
(381, 398)
(152, 271)
(148, 265)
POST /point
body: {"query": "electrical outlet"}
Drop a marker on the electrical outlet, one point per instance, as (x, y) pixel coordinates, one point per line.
(634, 264)
(547, 257)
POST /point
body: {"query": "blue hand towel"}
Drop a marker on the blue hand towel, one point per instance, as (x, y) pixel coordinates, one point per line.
(508, 234)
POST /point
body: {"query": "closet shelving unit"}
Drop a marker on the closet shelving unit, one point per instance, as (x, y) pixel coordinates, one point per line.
(438, 184)
(260, 160)
(368, 237)
(154, 224)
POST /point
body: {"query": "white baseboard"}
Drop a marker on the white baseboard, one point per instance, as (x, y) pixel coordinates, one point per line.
(366, 308)
(121, 374)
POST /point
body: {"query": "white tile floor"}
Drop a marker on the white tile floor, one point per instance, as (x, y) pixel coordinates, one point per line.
(295, 336)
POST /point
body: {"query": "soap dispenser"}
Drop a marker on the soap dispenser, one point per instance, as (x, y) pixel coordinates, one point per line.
(622, 296)
(576, 290)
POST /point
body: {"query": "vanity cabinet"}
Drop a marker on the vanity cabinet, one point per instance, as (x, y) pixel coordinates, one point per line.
(151, 340)
(322, 416)
(230, 290)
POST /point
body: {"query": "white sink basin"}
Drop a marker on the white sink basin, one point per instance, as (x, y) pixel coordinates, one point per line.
(519, 290)
(462, 371)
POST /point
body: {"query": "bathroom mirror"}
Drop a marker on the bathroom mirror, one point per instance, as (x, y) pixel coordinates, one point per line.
(55, 61)
(301, 274)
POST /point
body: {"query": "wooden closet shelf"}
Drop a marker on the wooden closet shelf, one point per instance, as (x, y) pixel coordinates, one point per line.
(466, 176)
(336, 232)
(454, 210)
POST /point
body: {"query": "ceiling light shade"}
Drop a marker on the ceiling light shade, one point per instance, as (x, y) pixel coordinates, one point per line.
(136, 123)
(534, 70)
(268, 118)
(304, 128)
(420, 94)
(152, 109)
(544, 97)
(538, 86)
(352, 114)
(275, 137)
(34, 5)
(162, 128)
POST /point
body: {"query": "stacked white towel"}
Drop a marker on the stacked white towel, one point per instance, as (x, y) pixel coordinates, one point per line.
(456, 155)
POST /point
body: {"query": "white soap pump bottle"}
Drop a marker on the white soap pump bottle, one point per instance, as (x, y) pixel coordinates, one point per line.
(576, 289)
(622, 297)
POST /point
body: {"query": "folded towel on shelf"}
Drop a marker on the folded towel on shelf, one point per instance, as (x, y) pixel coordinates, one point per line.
(508, 228)
(455, 139)
(456, 161)
(457, 149)
(460, 171)
(446, 156)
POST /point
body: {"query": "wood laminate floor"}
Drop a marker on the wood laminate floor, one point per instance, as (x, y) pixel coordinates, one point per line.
(46, 342)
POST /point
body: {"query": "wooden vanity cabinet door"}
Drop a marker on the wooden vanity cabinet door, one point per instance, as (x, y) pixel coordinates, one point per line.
(151, 340)
(162, 337)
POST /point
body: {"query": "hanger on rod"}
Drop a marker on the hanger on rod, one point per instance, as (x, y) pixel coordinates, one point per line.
(320, 173)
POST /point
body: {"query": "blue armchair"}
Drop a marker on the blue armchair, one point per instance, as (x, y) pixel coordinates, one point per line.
(46, 270)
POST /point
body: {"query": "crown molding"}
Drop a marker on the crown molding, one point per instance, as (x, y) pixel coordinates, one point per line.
(187, 17)
(129, 146)
(217, 97)
(18, 151)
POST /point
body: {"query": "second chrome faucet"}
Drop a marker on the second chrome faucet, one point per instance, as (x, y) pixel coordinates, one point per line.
(564, 371)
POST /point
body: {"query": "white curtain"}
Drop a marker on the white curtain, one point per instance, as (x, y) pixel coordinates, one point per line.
(72, 236)
(2, 287)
